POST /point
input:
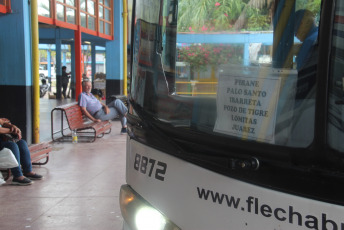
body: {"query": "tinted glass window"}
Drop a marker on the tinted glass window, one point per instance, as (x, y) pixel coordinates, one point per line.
(245, 71)
(336, 96)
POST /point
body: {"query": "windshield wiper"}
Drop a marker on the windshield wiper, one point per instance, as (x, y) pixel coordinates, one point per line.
(161, 131)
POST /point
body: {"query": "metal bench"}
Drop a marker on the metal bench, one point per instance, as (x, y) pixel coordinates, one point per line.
(38, 152)
(73, 119)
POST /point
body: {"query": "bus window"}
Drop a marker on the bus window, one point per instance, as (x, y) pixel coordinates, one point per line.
(336, 93)
(230, 79)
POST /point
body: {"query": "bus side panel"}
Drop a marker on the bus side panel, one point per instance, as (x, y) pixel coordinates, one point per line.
(195, 198)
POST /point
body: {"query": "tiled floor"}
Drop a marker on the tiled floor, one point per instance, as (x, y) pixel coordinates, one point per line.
(80, 189)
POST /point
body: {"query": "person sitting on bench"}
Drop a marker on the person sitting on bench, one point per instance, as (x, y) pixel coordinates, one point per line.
(11, 138)
(306, 31)
(98, 111)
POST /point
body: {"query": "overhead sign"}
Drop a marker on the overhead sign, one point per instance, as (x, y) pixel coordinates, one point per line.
(246, 107)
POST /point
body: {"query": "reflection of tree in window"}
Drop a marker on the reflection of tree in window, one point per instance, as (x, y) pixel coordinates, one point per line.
(104, 13)
(87, 14)
(214, 16)
(44, 8)
(65, 11)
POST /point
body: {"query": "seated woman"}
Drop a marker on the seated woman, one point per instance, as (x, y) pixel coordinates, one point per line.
(21, 152)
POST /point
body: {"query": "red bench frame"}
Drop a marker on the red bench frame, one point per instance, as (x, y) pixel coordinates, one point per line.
(76, 120)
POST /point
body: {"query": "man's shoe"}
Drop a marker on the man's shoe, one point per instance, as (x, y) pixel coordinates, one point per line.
(24, 181)
(34, 176)
(123, 130)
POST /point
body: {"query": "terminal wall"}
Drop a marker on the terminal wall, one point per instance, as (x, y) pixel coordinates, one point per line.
(15, 67)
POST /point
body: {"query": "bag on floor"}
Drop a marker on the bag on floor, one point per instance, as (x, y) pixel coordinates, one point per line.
(2, 181)
(7, 159)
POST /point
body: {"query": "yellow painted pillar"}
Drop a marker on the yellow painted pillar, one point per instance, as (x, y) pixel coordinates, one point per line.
(35, 69)
(125, 38)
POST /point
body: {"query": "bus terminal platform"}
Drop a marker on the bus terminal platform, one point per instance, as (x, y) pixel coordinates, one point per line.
(81, 184)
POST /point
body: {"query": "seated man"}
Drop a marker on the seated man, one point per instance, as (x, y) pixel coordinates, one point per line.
(306, 31)
(98, 111)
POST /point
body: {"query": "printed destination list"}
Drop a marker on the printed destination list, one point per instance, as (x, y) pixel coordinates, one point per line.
(246, 107)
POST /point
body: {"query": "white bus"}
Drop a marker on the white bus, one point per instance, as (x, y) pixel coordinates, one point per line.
(253, 136)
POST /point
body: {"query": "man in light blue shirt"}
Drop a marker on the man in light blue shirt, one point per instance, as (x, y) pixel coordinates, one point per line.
(98, 111)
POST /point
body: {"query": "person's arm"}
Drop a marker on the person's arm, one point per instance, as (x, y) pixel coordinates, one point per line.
(3, 121)
(84, 110)
(8, 128)
(4, 130)
(106, 108)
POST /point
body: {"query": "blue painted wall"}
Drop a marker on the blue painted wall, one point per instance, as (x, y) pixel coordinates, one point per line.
(114, 49)
(233, 38)
(48, 35)
(15, 43)
(15, 67)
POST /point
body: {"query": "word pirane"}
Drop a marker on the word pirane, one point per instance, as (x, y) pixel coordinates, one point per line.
(251, 83)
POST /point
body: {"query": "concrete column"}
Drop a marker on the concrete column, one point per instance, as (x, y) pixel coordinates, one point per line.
(246, 54)
(64, 61)
(114, 54)
(49, 64)
(72, 48)
(77, 47)
(93, 58)
(58, 66)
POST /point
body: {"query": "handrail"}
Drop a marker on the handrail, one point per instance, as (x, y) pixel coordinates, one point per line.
(196, 93)
(195, 82)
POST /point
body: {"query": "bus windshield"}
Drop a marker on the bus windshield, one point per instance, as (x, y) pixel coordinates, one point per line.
(244, 71)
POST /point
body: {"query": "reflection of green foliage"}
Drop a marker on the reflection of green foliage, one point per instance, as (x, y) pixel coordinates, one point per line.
(311, 5)
(43, 54)
(199, 57)
(207, 16)
(228, 15)
(258, 20)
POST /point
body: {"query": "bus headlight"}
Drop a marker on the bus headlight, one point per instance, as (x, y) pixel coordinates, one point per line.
(139, 214)
(148, 218)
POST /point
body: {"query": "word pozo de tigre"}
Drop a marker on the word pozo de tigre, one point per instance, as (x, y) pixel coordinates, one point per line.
(246, 106)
